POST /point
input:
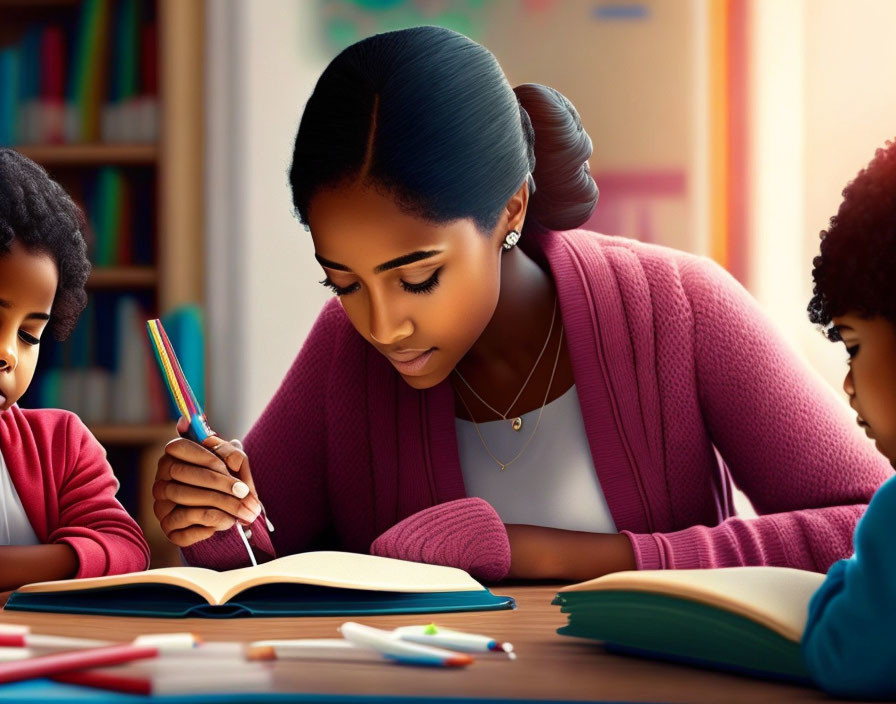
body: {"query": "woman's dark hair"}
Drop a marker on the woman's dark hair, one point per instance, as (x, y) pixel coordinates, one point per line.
(39, 214)
(427, 115)
(856, 270)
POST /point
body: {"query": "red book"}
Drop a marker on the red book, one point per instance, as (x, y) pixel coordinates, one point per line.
(149, 68)
(124, 231)
(52, 84)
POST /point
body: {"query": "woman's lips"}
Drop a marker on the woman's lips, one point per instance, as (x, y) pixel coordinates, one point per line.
(410, 362)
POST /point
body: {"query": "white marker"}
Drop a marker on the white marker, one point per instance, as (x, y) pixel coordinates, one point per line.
(453, 640)
(391, 646)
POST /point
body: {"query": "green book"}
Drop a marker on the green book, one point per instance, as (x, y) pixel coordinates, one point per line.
(743, 619)
(109, 195)
(324, 583)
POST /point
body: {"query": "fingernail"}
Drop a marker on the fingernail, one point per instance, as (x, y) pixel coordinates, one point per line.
(246, 514)
(240, 490)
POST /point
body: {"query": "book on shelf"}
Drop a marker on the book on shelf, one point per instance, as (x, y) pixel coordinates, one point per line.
(743, 619)
(90, 76)
(312, 583)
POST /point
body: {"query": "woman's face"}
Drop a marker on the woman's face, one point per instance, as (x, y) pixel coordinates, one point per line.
(870, 382)
(420, 293)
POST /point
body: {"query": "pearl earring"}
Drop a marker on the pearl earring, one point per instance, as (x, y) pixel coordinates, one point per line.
(512, 238)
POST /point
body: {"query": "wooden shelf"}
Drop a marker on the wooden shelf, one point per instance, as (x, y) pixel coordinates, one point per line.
(133, 434)
(90, 154)
(123, 277)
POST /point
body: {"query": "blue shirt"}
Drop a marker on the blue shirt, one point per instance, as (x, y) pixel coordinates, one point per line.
(850, 640)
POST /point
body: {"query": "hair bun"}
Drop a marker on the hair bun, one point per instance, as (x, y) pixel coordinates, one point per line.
(566, 193)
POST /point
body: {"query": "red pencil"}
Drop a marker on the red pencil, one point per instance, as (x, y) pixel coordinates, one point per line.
(46, 665)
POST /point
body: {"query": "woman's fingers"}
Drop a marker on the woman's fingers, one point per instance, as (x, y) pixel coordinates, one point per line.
(234, 459)
(189, 452)
(186, 537)
(209, 479)
(185, 517)
(189, 495)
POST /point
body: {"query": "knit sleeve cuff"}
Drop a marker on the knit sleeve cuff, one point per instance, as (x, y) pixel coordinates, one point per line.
(225, 549)
(648, 555)
(466, 533)
(92, 558)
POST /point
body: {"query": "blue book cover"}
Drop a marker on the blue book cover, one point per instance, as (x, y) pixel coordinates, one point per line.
(322, 583)
(9, 95)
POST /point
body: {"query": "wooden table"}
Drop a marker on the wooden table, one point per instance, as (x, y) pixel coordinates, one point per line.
(548, 666)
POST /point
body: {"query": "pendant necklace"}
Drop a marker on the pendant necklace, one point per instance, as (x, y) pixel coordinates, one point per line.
(517, 422)
(505, 465)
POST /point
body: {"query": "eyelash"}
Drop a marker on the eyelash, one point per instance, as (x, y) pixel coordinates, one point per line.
(852, 351)
(339, 290)
(423, 287)
(29, 339)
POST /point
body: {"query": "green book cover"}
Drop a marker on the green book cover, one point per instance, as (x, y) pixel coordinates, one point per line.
(109, 194)
(742, 619)
(89, 67)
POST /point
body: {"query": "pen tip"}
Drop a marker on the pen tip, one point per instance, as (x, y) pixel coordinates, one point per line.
(261, 652)
(458, 661)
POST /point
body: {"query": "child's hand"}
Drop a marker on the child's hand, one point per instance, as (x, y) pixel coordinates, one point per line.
(196, 492)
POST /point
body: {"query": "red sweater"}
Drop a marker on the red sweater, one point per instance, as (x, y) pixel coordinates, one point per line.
(68, 490)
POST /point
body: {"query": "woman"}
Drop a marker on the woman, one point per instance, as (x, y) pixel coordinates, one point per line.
(491, 392)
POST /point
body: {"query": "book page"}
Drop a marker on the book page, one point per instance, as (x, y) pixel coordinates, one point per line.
(195, 579)
(775, 597)
(350, 570)
(326, 568)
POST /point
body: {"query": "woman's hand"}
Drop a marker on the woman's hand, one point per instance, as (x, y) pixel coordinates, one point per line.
(551, 553)
(200, 489)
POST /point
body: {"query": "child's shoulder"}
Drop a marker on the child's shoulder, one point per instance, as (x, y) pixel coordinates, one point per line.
(41, 422)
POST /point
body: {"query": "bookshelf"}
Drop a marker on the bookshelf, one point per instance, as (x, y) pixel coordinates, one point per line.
(169, 170)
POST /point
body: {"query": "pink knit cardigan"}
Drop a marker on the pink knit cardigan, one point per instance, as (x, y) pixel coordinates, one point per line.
(667, 350)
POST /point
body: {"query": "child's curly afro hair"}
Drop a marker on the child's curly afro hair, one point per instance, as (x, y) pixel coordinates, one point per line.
(856, 270)
(40, 215)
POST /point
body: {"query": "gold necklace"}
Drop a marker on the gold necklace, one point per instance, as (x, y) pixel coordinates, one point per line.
(505, 465)
(516, 423)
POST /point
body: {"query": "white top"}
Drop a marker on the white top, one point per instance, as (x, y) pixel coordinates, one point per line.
(15, 528)
(552, 484)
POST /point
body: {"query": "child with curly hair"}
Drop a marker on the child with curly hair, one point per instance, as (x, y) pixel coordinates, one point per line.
(848, 640)
(59, 517)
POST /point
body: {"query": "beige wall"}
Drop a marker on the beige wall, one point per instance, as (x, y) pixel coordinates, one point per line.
(263, 292)
(850, 111)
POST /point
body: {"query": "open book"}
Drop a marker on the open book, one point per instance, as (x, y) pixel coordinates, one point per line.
(311, 583)
(746, 619)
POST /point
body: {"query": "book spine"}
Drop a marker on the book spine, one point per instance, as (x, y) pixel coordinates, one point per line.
(9, 95)
(52, 85)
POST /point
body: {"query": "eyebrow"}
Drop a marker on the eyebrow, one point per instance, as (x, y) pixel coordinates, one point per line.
(31, 316)
(385, 266)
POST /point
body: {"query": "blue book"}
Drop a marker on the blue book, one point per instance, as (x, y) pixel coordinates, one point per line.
(325, 583)
(9, 95)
